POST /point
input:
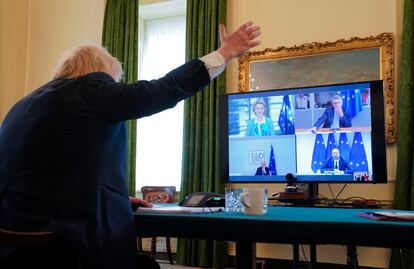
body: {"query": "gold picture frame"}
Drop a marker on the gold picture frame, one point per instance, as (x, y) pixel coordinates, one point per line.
(311, 64)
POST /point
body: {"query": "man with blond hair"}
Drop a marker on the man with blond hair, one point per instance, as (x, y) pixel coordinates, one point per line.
(63, 151)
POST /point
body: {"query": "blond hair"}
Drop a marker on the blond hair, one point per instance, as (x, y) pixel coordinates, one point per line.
(258, 103)
(86, 59)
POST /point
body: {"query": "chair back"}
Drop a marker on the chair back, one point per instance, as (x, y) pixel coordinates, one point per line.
(14, 239)
(158, 194)
(39, 249)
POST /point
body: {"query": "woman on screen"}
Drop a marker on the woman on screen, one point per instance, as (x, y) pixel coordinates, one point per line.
(260, 125)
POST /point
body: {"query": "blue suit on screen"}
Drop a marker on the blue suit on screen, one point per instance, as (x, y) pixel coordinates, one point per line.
(342, 165)
(327, 119)
(260, 172)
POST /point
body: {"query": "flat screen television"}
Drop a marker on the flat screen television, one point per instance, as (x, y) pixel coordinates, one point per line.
(329, 133)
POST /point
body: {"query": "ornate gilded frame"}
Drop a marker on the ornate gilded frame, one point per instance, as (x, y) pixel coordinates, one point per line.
(384, 43)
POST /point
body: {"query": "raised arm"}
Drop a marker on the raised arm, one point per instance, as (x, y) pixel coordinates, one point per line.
(143, 98)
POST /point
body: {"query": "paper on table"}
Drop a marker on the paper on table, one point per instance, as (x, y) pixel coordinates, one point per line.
(178, 209)
(388, 215)
(397, 215)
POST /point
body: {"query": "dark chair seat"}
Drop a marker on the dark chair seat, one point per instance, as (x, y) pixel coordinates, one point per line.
(37, 249)
(15, 239)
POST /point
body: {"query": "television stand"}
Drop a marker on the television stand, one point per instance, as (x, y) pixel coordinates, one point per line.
(300, 198)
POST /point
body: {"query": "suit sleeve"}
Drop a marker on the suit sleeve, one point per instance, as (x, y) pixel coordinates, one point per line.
(119, 101)
(345, 120)
(271, 127)
(321, 119)
(348, 169)
(249, 130)
(326, 165)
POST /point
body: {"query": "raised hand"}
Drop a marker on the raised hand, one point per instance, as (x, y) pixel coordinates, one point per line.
(235, 44)
(313, 130)
(339, 111)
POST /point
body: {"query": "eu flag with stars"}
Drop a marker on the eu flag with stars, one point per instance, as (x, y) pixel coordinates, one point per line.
(358, 158)
(286, 120)
(343, 146)
(352, 101)
(318, 156)
(272, 162)
(330, 145)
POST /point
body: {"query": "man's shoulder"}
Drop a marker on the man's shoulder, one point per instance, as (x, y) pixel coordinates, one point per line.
(328, 109)
(99, 76)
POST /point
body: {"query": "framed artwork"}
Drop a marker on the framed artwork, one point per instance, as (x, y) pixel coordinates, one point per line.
(311, 64)
(256, 156)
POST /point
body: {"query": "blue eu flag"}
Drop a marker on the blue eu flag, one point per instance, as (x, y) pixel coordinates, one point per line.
(272, 162)
(286, 120)
(330, 145)
(352, 101)
(343, 146)
(358, 158)
(318, 156)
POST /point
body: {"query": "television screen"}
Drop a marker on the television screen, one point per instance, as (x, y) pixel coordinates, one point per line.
(330, 133)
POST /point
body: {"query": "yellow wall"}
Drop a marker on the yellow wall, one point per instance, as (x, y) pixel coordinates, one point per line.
(13, 39)
(35, 33)
(33, 36)
(294, 22)
(289, 23)
(54, 28)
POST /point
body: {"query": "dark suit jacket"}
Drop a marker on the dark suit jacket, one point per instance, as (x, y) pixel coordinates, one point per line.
(328, 116)
(343, 165)
(259, 171)
(63, 151)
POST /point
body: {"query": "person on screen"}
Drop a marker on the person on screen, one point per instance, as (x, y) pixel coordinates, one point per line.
(263, 170)
(366, 99)
(260, 125)
(336, 163)
(63, 154)
(302, 101)
(334, 117)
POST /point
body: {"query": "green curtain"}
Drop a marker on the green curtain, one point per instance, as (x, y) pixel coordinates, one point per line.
(404, 189)
(120, 38)
(200, 169)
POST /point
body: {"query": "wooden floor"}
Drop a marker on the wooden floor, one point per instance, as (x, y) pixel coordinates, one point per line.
(166, 265)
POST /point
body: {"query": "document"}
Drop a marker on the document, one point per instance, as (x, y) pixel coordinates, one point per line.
(178, 209)
(389, 215)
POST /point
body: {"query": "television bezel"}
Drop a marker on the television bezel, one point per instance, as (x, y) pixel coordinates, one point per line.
(378, 142)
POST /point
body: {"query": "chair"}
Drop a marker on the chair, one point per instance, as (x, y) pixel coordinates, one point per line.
(15, 239)
(31, 244)
(158, 194)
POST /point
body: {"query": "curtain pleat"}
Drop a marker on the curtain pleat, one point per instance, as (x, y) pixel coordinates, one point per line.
(120, 38)
(200, 169)
(404, 189)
